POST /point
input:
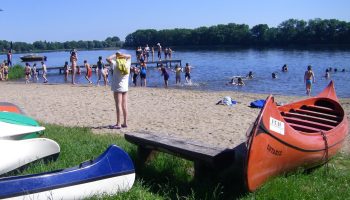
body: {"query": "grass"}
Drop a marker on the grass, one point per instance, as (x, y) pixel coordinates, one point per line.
(16, 72)
(169, 177)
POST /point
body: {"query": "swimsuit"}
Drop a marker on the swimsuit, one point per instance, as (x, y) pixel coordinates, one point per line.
(309, 81)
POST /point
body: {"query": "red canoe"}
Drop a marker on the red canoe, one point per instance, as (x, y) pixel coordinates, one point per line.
(9, 107)
(303, 134)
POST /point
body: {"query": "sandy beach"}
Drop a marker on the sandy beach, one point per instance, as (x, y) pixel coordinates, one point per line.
(185, 114)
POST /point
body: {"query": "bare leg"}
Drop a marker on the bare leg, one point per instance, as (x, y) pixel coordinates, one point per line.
(125, 108)
(118, 105)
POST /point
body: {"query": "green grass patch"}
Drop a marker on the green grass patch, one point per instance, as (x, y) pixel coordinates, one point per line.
(169, 177)
(16, 72)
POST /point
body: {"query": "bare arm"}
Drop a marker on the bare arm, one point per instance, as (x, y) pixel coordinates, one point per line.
(110, 58)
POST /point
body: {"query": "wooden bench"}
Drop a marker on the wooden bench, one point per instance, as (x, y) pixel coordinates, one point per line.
(207, 160)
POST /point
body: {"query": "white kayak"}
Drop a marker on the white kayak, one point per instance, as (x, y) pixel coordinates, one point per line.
(14, 131)
(17, 153)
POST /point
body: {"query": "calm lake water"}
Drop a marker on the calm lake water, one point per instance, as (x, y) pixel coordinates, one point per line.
(212, 69)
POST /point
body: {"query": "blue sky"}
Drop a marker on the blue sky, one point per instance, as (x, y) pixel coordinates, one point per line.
(66, 20)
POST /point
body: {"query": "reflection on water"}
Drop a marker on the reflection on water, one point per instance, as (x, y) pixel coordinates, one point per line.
(212, 69)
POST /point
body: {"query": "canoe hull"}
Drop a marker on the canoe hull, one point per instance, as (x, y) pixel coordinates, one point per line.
(9, 107)
(303, 134)
(18, 153)
(112, 185)
(112, 172)
(18, 126)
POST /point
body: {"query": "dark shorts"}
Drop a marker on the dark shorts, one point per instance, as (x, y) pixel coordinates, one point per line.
(166, 77)
(143, 75)
(188, 75)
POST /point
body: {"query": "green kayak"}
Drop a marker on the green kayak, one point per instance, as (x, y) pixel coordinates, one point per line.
(15, 118)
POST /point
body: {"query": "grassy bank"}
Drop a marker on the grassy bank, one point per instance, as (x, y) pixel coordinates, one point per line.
(169, 177)
(16, 72)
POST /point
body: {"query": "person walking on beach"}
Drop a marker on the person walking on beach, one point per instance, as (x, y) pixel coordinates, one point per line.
(143, 73)
(120, 64)
(88, 71)
(99, 70)
(309, 78)
(27, 71)
(9, 58)
(35, 73)
(44, 71)
(188, 73)
(73, 60)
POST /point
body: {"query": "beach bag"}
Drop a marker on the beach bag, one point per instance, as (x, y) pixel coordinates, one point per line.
(121, 64)
(257, 104)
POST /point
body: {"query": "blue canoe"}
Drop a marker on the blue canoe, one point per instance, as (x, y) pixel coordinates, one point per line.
(111, 172)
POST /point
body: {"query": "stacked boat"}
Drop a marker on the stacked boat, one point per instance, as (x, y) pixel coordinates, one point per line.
(20, 144)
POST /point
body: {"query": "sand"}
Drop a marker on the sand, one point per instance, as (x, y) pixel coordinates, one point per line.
(184, 114)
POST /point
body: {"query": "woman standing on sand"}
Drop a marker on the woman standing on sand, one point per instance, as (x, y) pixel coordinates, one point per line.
(120, 64)
(73, 60)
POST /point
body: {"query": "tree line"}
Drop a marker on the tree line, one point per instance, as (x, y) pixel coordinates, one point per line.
(110, 42)
(291, 32)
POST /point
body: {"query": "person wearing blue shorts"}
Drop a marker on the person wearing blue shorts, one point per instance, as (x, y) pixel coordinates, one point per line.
(309, 78)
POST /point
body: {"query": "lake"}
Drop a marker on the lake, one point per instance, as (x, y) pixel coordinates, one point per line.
(212, 69)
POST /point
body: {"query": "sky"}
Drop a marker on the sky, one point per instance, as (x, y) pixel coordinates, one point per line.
(67, 20)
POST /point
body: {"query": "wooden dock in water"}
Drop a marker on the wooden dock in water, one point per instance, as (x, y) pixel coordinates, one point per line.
(166, 63)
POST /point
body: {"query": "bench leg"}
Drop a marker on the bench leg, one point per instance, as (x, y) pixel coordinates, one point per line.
(144, 154)
(202, 170)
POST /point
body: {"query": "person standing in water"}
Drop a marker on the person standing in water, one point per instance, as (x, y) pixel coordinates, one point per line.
(44, 71)
(309, 78)
(73, 60)
(88, 71)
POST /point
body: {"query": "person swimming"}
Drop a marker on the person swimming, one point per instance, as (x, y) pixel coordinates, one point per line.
(274, 75)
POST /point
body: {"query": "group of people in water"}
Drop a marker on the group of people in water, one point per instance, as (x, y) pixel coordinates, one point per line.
(33, 72)
(309, 77)
(141, 72)
(143, 54)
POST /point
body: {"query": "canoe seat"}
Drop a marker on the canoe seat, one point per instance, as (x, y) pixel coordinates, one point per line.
(317, 114)
(311, 118)
(206, 159)
(303, 128)
(308, 123)
(320, 109)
